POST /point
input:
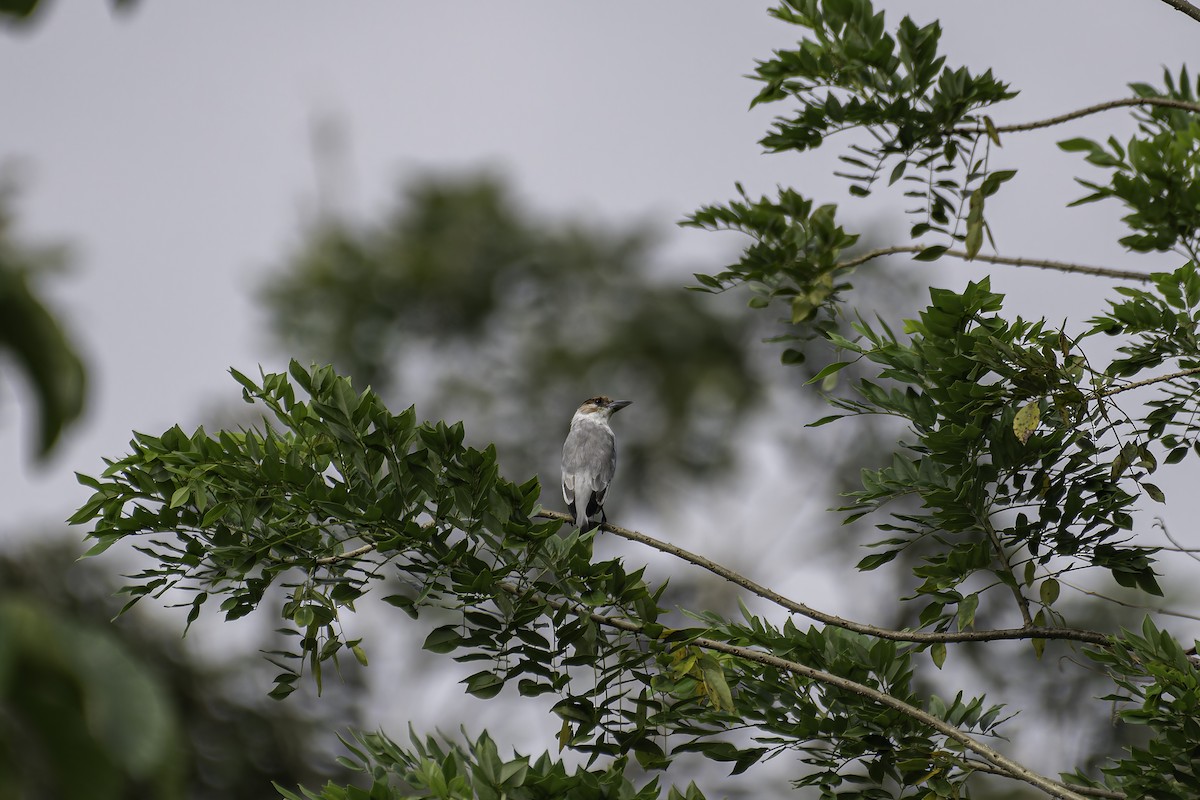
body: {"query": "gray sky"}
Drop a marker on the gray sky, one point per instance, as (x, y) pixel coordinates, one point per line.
(171, 147)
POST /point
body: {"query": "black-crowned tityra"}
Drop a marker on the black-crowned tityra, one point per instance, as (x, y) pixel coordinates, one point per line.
(589, 459)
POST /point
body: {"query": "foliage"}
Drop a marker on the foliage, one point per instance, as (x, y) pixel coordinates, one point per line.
(1155, 174)
(1027, 462)
(338, 488)
(432, 768)
(30, 333)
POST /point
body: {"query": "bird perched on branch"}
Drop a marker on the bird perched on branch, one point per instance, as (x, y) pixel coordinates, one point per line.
(589, 459)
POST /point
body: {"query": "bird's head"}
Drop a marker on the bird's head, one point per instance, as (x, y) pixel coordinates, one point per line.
(600, 408)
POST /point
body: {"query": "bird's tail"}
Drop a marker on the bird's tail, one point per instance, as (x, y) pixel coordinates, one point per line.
(581, 504)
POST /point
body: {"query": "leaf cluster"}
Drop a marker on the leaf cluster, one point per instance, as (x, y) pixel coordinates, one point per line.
(1159, 688)
(431, 768)
(793, 255)
(1156, 174)
(1021, 470)
(923, 116)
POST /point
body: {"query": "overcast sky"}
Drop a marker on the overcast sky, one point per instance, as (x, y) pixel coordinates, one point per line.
(171, 147)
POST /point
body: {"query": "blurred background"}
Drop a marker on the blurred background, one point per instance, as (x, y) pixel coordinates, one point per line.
(470, 208)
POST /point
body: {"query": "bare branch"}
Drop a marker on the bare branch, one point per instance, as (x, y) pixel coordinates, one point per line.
(347, 556)
(1186, 7)
(1183, 373)
(916, 637)
(1162, 525)
(1058, 266)
(1141, 606)
(1124, 102)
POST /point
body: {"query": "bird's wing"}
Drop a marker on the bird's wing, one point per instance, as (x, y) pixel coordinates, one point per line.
(588, 463)
(568, 484)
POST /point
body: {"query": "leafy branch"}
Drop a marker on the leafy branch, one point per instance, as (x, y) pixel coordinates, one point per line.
(916, 637)
(337, 481)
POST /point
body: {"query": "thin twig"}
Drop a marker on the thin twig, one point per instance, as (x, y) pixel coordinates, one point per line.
(1186, 7)
(1002, 557)
(1162, 525)
(1007, 766)
(1039, 263)
(1183, 373)
(1165, 102)
(917, 637)
(1140, 606)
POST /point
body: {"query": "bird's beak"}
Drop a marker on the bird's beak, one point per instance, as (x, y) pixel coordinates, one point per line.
(617, 405)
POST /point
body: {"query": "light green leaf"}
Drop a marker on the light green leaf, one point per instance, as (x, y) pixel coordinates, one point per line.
(1026, 421)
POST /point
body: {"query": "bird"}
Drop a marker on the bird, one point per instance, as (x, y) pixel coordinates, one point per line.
(589, 459)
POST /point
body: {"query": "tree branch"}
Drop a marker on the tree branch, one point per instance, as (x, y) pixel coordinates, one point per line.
(1087, 791)
(347, 556)
(1183, 373)
(1186, 7)
(916, 637)
(1058, 266)
(1004, 765)
(1164, 102)
(1011, 768)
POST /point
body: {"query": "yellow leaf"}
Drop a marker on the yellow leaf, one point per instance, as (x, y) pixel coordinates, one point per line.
(1026, 421)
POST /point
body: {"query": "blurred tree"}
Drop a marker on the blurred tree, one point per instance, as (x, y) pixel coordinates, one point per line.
(23, 12)
(92, 711)
(463, 301)
(30, 332)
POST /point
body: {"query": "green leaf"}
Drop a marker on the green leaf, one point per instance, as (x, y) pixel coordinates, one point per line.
(966, 611)
(359, 654)
(832, 369)
(931, 253)
(1077, 145)
(484, 685)
(991, 131)
(1049, 591)
(791, 357)
(180, 496)
(938, 653)
(876, 560)
(718, 687)
(443, 639)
